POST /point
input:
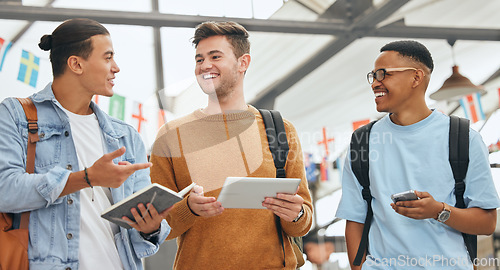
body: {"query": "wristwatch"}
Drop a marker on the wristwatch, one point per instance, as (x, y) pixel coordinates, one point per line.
(301, 213)
(151, 235)
(444, 215)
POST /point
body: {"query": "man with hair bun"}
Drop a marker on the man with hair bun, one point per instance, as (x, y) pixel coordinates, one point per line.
(227, 138)
(409, 150)
(85, 162)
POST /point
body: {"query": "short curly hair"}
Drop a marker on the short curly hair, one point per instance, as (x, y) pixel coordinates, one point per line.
(414, 50)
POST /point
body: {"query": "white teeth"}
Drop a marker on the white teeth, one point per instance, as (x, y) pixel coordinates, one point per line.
(379, 94)
(209, 76)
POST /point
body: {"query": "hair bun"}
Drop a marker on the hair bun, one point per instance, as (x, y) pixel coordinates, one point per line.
(45, 42)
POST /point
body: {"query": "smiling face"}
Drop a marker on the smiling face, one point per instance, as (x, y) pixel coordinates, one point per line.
(396, 91)
(98, 70)
(218, 71)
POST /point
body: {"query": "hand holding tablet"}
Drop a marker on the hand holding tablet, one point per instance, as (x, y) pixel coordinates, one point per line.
(250, 192)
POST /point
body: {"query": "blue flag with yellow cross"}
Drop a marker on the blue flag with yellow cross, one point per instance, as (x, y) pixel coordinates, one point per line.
(28, 71)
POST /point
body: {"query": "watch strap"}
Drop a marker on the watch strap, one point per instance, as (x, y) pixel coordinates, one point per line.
(151, 235)
(301, 213)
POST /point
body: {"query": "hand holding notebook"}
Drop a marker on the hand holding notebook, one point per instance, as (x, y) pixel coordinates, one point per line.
(157, 195)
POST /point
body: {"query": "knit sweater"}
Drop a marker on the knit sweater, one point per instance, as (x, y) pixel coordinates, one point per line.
(206, 149)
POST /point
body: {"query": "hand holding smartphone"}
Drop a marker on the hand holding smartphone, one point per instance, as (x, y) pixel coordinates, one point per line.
(404, 196)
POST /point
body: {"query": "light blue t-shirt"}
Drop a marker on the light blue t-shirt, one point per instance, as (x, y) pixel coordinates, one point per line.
(415, 157)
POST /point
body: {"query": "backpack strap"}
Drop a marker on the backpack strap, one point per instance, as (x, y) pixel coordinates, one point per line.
(276, 137)
(459, 161)
(32, 117)
(459, 155)
(278, 145)
(360, 166)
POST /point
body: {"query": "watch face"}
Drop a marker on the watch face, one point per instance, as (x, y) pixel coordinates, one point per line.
(444, 216)
(299, 216)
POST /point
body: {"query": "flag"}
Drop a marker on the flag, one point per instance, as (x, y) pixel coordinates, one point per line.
(7, 48)
(325, 141)
(117, 106)
(324, 169)
(2, 41)
(161, 118)
(28, 71)
(95, 98)
(472, 107)
(494, 147)
(137, 116)
(340, 165)
(310, 167)
(360, 123)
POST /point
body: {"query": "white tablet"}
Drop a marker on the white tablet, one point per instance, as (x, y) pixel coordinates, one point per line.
(250, 192)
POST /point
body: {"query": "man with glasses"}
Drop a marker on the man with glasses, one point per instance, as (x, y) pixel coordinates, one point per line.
(379, 74)
(413, 234)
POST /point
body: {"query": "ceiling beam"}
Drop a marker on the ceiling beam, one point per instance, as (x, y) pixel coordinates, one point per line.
(435, 33)
(370, 18)
(156, 19)
(492, 77)
(158, 56)
(346, 9)
(26, 27)
(265, 99)
(314, 7)
(334, 27)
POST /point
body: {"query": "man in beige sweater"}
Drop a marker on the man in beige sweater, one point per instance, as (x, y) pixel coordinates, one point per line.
(227, 138)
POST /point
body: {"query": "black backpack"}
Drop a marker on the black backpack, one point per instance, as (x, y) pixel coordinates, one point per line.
(278, 145)
(459, 161)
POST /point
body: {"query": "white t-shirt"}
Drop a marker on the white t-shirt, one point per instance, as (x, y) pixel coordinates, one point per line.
(97, 245)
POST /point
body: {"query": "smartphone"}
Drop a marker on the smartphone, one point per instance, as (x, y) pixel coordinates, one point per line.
(404, 196)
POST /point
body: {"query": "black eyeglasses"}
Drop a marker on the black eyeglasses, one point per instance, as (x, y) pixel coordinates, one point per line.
(379, 74)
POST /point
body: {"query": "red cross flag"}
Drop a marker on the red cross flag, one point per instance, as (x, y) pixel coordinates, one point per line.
(325, 141)
(137, 116)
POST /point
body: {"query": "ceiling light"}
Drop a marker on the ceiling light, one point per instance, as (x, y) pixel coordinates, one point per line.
(457, 85)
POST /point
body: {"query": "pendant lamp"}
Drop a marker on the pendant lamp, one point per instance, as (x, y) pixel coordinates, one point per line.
(456, 86)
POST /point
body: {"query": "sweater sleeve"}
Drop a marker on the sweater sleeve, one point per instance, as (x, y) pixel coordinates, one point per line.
(295, 169)
(170, 170)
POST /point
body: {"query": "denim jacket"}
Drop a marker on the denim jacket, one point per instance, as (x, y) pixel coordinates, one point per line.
(54, 228)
